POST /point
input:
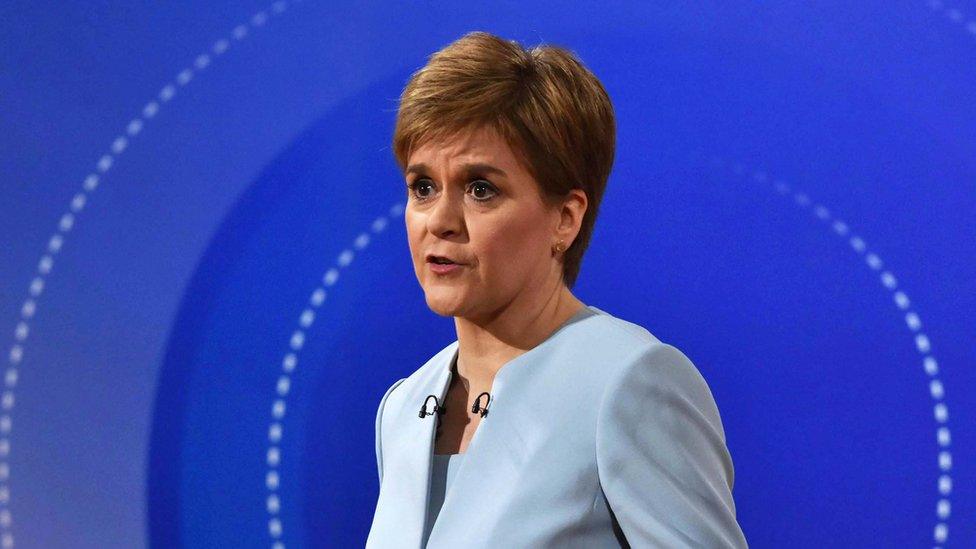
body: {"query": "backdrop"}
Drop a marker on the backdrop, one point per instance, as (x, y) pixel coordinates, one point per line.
(205, 285)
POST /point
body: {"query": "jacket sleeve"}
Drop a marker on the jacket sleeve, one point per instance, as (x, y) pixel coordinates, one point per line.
(661, 455)
(379, 429)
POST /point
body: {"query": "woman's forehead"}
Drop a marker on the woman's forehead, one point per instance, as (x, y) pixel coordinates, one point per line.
(478, 146)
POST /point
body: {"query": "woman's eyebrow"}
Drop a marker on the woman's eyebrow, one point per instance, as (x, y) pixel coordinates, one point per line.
(475, 167)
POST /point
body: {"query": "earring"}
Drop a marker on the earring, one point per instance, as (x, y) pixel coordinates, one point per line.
(560, 247)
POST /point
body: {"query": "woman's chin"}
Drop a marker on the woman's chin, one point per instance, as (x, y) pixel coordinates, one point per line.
(444, 303)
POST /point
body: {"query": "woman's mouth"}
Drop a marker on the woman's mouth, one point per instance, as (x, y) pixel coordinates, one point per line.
(443, 266)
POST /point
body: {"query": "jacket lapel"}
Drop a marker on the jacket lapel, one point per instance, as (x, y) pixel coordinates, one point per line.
(407, 495)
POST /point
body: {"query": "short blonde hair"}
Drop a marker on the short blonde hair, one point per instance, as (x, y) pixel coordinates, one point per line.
(550, 109)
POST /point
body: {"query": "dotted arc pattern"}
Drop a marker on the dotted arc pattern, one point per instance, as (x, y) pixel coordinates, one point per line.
(272, 479)
(66, 223)
(921, 341)
(955, 15)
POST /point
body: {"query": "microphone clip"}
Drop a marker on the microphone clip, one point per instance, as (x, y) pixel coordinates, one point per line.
(476, 407)
(438, 408)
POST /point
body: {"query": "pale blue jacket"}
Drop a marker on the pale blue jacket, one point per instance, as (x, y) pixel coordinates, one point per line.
(600, 436)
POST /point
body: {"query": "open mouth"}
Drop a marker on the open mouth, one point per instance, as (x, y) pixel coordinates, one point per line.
(441, 260)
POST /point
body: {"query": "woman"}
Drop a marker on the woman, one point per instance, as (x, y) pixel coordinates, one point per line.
(599, 435)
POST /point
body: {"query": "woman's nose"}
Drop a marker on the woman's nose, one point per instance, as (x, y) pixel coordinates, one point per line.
(446, 215)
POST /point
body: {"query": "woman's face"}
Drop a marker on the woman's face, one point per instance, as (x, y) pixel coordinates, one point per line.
(469, 199)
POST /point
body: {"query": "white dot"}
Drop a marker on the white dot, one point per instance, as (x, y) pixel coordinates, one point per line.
(274, 504)
(104, 163)
(945, 460)
(821, 212)
(220, 46)
(271, 480)
(308, 315)
(278, 409)
(361, 241)
(259, 19)
(78, 202)
(278, 545)
(945, 484)
(901, 300)
(955, 15)
(378, 224)
(936, 389)
(345, 258)
(240, 32)
(782, 187)
(283, 385)
(857, 244)
(297, 340)
(91, 182)
(150, 109)
(21, 331)
(4, 447)
(134, 127)
(274, 432)
(318, 296)
(4, 470)
(396, 209)
(330, 277)
(5, 518)
(274, 528)
(45, 264)
(922, 343)
(7, 400)
(119, 144)
(184, 77)
(274, 456)
(201, 61)
(55, 243)
(167, 92)
(10, 379)
(943, 509)
(28, 308)
(6, 424)
(840, 227)
(889, 280)
(941, 532)
(913, 321)
(289, 362)
(931, 366)
(278, 6)
(941, 412)
(67, 221)
(4, 494)
(971, 27)
(36, 287)
(16, 354)
(7, 540)
(943, 436)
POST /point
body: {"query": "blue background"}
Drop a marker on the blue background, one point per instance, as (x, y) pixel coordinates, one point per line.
(206, 285)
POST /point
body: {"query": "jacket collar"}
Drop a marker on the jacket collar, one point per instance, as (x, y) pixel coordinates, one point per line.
(412, 485)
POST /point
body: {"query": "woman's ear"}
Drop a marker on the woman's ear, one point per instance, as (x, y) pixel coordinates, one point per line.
(571, 216)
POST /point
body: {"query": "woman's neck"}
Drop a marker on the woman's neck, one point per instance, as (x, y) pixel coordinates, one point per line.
(487, 345)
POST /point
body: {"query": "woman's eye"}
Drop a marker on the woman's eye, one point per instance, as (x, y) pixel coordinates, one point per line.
(418, 184)
(482, 190)
(482, 184)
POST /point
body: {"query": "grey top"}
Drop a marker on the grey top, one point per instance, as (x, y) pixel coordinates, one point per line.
(444, 468)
